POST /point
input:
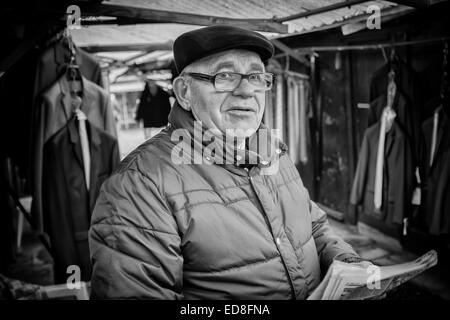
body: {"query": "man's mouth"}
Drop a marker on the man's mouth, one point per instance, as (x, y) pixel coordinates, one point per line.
(241, 109)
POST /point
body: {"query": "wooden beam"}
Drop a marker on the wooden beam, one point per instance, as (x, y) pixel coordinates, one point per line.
(146, 15)
(416, 3)
(377, 46)
(290, 52)
(312, 12)
(128, 47)
(137, 56)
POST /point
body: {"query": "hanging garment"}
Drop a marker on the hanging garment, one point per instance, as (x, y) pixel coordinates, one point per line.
(406, 78)
(407, 106)
(153, 108)
(303, 123)
(268, 110)
(436, 186)
(53, 112)
(407, 117)
(66, 201)
(50, 65)
(398, 175)
(53, 61)
(292, 112)
(296, 125)
(279, 108)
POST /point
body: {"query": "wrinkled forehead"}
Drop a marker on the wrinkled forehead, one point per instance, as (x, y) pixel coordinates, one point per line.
(236, 60)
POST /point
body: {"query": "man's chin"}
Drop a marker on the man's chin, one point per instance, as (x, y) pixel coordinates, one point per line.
(241, 130)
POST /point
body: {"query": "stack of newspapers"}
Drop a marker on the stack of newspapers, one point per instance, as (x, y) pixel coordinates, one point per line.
(347, 281)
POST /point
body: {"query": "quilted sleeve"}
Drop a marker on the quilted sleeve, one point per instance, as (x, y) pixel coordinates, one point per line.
(329, 245)
(134, 242)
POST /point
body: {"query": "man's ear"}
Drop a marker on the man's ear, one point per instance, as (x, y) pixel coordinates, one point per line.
(180, 88)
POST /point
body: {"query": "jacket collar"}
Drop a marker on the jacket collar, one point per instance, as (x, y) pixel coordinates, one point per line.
(88, 96)
(93, 135)
(262, 148)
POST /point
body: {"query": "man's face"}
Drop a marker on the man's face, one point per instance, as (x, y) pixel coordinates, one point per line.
(242, 108)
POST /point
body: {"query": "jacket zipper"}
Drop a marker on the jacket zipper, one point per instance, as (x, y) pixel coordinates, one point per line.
(266, 219)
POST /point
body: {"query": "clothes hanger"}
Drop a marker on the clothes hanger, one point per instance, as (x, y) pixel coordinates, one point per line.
(73, 73)
(389, 112)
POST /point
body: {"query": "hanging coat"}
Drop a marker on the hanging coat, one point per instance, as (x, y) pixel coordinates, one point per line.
(398, 174)
(410, 102)
(53, 61)
(436, 181)
(52, 113)
(66, 202)
(407, 118)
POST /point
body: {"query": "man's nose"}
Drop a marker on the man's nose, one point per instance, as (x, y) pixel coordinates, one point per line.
(244, 89)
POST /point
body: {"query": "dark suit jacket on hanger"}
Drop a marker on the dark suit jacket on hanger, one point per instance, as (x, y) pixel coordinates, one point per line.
(53, 61)
(409, 84)
(52, 113)
(436, 179)
(50, 66)
(66, 202)
(407, 117)
(406, 79)
(397, 178)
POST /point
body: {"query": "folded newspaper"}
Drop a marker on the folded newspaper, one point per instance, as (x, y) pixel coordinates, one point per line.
(346, 281)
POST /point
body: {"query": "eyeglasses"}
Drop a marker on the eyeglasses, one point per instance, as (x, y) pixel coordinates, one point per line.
(229, 81)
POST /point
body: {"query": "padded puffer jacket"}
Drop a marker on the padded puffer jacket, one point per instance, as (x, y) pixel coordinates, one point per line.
(207, 231)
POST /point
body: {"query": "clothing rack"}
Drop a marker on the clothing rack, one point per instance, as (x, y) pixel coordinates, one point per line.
(293, 74)
(371, 46)
(296, 75)
(278, 69)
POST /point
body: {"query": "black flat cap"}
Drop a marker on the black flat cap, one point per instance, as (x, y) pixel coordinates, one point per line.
(200, 43)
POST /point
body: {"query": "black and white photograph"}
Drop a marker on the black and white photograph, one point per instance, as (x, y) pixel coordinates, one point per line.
(214, 151)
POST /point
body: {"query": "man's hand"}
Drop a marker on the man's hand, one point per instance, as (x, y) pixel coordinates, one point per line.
(366, 264)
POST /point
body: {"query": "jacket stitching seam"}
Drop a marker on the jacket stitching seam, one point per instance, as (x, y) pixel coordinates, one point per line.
(190, 206)
(242, 266)
(136, 227)
(209, 190)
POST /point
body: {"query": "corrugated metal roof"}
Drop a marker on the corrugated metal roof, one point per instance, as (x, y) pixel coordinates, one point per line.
(242, 9)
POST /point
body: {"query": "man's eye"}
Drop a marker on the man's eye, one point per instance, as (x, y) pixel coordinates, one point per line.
(255, 77)
(224, 76)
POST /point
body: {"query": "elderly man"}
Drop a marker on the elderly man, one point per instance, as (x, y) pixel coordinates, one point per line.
(219, 229)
